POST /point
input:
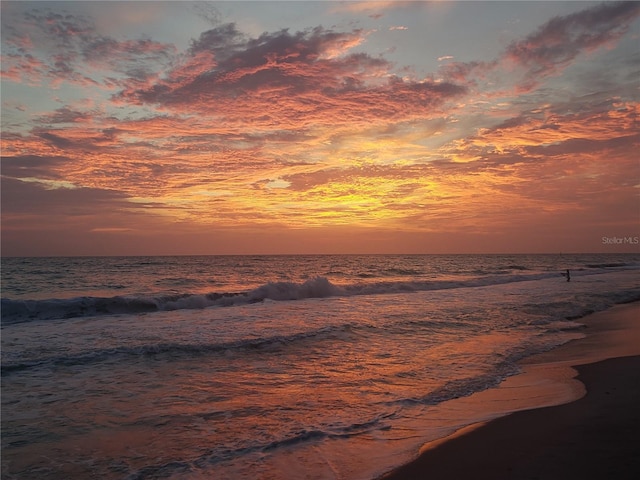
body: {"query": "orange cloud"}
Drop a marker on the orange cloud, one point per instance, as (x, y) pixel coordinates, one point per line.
(296, 132)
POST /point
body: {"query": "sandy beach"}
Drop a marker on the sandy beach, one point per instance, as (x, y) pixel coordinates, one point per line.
(582, 421)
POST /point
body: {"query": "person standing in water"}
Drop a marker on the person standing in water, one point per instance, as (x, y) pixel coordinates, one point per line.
(568, 275)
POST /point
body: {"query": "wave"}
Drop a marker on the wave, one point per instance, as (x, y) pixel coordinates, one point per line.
(460, 388)
(258, 345)
(506, 367)
(17, 311)
(225, 454)
(516, 267)
(608, 265)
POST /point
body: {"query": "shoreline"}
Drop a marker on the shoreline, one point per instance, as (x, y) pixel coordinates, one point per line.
(571, 413)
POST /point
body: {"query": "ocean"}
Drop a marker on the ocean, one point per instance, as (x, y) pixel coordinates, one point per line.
(270, 367)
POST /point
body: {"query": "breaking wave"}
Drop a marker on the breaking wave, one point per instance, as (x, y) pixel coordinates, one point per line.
(17, 311)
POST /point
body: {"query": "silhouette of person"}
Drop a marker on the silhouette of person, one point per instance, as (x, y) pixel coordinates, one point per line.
(568, 275)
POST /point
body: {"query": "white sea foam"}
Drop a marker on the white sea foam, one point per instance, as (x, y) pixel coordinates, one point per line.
(14, 311)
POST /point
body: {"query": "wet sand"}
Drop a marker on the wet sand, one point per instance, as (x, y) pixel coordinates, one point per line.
(595, 436)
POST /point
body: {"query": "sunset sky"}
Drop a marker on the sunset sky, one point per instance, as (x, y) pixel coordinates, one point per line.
(319, 127)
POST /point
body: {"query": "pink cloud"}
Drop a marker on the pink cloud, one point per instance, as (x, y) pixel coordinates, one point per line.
(23, 68)
(293, 79)
(553, 47)
(556, 43)
(59, 48)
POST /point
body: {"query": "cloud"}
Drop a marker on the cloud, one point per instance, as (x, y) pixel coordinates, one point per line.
(577, 168)
(136, 58)
(58, 141)
(65, 115)
(111, 229)
(559, 41)
(302, 129)
(467, 73)
(23, 68)
(292, 80)
(33, 166)
(57, 47)
(551, 129)
(207, 12)
(375, 7)
(549, 50)
(35, 198)
(86, 139)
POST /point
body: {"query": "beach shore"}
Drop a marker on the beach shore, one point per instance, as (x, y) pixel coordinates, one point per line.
(596, 435)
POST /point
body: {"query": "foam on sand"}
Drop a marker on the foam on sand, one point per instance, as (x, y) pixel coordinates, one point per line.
(548, 379)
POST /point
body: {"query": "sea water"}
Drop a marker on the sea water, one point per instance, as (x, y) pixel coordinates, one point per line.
(274, 367)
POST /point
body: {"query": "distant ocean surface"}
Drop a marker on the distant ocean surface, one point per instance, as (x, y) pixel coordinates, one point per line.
(269, 367)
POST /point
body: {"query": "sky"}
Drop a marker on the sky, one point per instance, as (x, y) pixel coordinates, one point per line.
(171, 128)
